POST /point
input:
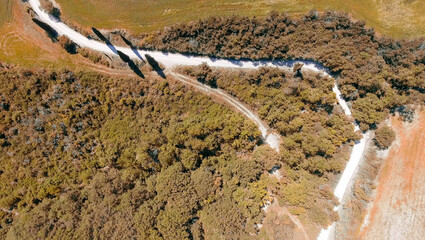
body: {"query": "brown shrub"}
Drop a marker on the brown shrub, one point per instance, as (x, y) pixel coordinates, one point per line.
(94, 56)
(67, 44)
(384, 137)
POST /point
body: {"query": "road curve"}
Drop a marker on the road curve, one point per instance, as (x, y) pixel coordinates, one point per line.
(171, 60)
(271, 138)
(168, 60)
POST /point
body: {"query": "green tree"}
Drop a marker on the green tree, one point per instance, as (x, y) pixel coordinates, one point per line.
(369, 110)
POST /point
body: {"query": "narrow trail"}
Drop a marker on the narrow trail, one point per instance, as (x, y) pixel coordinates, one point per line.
(297, 222)
(171, 60)
(273, 139)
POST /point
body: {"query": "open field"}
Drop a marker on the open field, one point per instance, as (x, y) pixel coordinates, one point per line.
(396, 18)
(24, 43)
(397, 212)
(21, 43)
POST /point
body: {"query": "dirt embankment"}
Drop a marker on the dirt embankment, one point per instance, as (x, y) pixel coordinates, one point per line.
(354, 205)
(398, 210)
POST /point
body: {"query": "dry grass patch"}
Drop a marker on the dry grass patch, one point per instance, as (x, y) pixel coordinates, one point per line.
(395, 18)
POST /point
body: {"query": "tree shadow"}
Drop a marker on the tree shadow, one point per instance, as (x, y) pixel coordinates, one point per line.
(126, 41)
(130, 63)
(104, 39)
(155, 65)
(46, 27)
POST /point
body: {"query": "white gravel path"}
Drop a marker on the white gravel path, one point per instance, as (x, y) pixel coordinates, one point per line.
(171, 60)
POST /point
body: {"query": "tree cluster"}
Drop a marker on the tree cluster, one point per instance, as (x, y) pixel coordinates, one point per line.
(89, 156)
(67, 44)
(316, 133)
(384, 137)
(369, 69)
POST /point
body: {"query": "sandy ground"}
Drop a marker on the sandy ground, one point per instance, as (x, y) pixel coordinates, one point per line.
(354, 206)
(281, 224)
(398, 211)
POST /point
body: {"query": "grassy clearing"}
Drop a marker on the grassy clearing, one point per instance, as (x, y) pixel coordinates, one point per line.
(17, 49)
(396, 18)
(5, 11)
(23, 43)
(26, 49)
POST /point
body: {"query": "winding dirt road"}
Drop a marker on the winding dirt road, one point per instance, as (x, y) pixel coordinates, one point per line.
(171, 60)
(273, 139)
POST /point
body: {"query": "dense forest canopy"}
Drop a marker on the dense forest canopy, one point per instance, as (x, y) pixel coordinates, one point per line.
(300, 105)
(376, 74)
(88, 156)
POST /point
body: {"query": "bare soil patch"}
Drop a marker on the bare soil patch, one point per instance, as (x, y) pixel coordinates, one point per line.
(281, 224)
(398, 210)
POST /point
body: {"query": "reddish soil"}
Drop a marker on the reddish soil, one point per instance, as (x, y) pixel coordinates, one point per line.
(281, 224)
(398, 210)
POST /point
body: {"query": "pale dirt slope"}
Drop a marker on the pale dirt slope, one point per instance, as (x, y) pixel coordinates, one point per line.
(398, 211)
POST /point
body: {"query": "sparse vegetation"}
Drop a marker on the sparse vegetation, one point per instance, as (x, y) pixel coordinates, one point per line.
(356, 206)
(6, 11)
(110, 61)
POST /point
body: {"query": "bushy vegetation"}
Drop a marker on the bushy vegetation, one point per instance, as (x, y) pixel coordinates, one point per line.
(93, 156)
(384, 136)
(375, 73)
(95, 57)
(302, 107)
(67, 44)
(89, 156)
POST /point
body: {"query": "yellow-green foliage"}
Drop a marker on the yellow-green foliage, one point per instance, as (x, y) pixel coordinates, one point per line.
(298, 107)
(90, 156)
(397, 18)
(375, 73)
(302, 109)
(5, 11)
